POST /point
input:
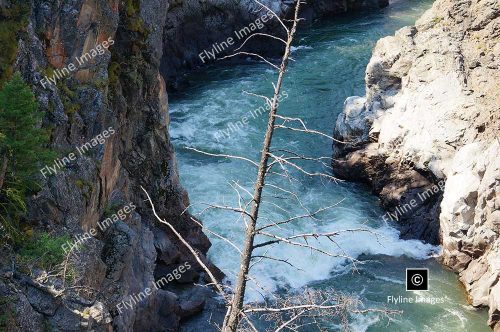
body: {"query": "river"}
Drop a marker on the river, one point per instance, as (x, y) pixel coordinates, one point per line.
(330, 60)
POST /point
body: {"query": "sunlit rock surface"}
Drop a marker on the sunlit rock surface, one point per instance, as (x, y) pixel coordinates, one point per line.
(432, 116)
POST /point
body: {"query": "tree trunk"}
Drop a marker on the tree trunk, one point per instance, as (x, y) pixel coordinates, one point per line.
(235, 310)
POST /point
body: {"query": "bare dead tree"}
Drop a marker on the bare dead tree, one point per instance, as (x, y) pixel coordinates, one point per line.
(234, 312)
(293, 312)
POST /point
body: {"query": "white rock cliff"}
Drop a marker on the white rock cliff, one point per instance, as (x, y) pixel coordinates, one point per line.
(432, 113)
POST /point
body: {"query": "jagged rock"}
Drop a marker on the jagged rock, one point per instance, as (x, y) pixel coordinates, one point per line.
(432, 107)
(99, 314)
(17, 310)
(42, 302)
(354, 123)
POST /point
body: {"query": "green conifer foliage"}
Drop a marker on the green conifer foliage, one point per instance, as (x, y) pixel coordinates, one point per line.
(23, 150)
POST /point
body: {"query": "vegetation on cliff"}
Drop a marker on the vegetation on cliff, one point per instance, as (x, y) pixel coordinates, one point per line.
(22, 149)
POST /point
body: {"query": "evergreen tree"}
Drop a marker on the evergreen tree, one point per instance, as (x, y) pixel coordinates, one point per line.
(23, 148)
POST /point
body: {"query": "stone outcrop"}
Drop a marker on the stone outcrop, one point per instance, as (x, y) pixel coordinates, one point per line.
(425, 137)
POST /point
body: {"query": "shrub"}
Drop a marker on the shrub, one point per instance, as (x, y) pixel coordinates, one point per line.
(43, 251)
(13, 20)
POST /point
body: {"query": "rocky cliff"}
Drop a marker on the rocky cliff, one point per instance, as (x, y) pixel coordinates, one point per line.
(425, 137)
(98, 66)
(120, 88)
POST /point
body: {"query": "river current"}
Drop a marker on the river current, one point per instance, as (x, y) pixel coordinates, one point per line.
(330, 60)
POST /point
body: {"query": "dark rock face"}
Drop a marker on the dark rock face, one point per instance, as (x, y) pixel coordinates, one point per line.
(193, 27)
(400, 188)
(123, 90)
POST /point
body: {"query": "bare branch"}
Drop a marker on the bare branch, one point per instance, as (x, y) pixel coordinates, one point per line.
(216, 235)
(277, 17)
(232, 319)
(292, 194)
(276, 259)
(304, 127)
(259, 34)
(268, 101)
(303, 306)
(251, 54)
(282, 160)
(222, 155)
(309, 215)
(222, 207)
(298, 244)
(188, 246)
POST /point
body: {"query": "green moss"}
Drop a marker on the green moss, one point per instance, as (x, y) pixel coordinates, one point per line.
(68, 96)
(129, 66)
(100, 84)
(49, 71)
(137, 25)
(110, 210)
(132, 7)
(86, 188)
(79, 184)
(436, 20)
(64, 88)
(134, 21)
(114, 71)
(70, 108)
(43, 251)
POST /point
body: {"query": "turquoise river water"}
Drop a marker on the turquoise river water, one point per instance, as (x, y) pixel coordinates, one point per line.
(331, 58)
